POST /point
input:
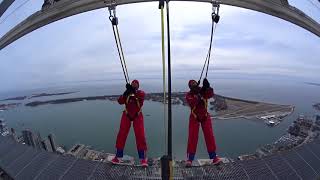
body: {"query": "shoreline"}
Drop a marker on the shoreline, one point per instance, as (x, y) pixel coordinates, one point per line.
(224, 108)
(20, 98)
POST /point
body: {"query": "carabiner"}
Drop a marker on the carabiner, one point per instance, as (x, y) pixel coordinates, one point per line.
(113, 18)
(215, 11)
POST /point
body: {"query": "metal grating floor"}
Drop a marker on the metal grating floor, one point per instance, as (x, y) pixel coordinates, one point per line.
(23, 162)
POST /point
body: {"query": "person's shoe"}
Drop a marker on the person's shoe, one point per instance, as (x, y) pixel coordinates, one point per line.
(188, 163)
(115, 160)
(144, 162)
(216, 160)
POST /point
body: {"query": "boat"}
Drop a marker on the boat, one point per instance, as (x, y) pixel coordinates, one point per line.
(272, 122)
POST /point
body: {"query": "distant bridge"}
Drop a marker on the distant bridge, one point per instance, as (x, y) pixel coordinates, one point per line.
(67, 8)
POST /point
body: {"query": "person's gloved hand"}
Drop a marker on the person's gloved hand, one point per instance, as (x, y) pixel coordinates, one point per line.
(128, 86)
(206, 83)
(129, 90)
(126, 93)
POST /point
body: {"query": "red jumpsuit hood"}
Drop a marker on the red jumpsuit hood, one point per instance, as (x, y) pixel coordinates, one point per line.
(191, 82)
(136, 82)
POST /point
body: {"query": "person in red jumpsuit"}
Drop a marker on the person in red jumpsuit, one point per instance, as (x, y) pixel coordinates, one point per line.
(133, 99)
(197, 99)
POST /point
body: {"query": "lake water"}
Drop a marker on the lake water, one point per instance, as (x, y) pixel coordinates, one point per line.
(96, 123)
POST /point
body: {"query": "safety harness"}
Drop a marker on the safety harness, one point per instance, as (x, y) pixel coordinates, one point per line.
(138, 104)
(205, 101)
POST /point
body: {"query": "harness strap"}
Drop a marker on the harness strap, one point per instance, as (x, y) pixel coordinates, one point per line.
(194, 108)
(138, 104)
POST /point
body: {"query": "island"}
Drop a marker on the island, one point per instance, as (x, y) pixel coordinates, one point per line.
(223, 107)
(19, 98)
(15, 98)
(177, 98)
(312, 83)
(49, 94)
(70, 100)
(4, 107)
(231, 108)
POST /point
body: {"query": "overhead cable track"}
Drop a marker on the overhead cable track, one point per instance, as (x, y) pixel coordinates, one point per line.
(11, 13)
(314, 4)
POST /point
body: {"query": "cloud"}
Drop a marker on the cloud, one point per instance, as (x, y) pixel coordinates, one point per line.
(82, 48)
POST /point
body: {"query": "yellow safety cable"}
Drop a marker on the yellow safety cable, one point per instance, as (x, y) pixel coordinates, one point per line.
(161, 7)
(163, 54)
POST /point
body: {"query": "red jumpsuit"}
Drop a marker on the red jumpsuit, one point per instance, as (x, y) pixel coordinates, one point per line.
(199, 115)
(132, 113)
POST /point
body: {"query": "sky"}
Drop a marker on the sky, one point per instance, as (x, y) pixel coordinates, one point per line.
(82, 48)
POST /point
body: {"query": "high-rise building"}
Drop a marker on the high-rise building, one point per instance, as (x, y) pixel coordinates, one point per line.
(28, 137)
(13, 135)
(2, 125)
(52, 142)
(32, 139)
(46, 145)
(38, 140)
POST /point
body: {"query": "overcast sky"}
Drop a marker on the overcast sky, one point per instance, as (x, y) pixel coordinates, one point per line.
(82, 48)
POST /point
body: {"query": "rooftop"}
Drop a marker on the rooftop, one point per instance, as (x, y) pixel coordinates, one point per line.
(24, 162)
